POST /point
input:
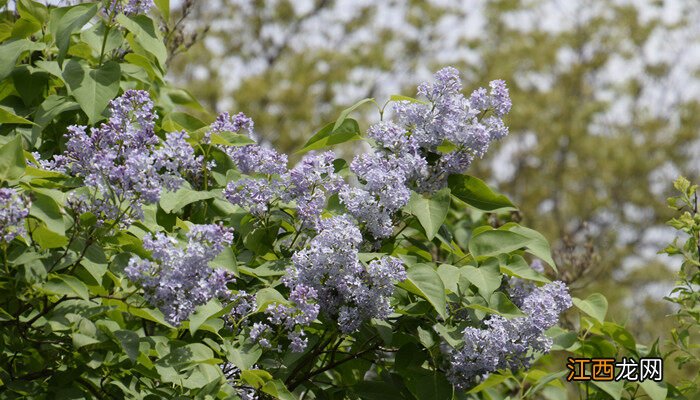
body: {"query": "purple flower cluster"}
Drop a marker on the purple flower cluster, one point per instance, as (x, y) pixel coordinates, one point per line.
(14, 208)
(293, 318)
(132, 7)
(121, 162)
(310, 183)
(407, 156)
(179, 279)
(510, 343)
(249, 159)
(345, 289)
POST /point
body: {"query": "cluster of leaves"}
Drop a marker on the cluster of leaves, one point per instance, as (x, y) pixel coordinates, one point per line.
(685, 295)
(74, 326)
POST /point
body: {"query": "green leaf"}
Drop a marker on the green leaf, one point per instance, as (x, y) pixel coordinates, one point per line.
(434, 386)
(495, 242)
(425, 282)
(178, 121)
(7, 117)
(515, 265)
(431, 212)
(48, 239)
(614, 389)
(80, 340)
(149, 314)
(255, 377)
(278, 390)
(487, 278)
(344, 114)
(477, 194)
(491, 381)
(146, 34)
(348, 130)
(655, 390)
(538, 246)
(164, 8)
(65, 21)
(12, 163)
(244, 356)
(203, 313)
(398, 97)
(175, 201)
(92, 88)
(231, 139)
(10, 52)
(46, 209)
(129, 341)
(267, 296)
(69, 285)
(595, 305)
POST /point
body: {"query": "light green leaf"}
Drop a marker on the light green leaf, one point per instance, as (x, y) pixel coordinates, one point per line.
(398, 97)
(431, 212)
(655, 390)
(255, 377)
(425, 282)
(495, 242)
(48, 239)
(595, 305)
(278, 390)
(477, 194)
(146, 34)
(267, 296)
(69, 285)
(487, 278)
(65, 21)
(348, 130)
(491, 381)
(203, 313)
(80, 340)
(178, 121)
(614, 389)
(164, 8)
(7, 117)
(344, 114)
(12, 162)
(175, 201)
(538, 246)
(515, 265)
(47, 210)
(10, 52)
(92, 88)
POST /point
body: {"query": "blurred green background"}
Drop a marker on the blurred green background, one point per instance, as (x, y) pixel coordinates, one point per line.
(605, 114)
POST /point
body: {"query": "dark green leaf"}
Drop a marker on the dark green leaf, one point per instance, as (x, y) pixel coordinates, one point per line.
(477, 194)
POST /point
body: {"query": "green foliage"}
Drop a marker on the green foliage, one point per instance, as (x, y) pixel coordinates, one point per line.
(73, 326)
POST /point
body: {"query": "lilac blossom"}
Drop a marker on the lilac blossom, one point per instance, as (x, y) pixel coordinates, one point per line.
(252, 194)
(310, 183)
(178, 279)
(252, 158)
(132, 7)
(346, 290)
(121, 163)
(509, 343)
(14, 208)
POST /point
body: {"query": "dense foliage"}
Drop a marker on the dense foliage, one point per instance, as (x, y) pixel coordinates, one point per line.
(148, 254)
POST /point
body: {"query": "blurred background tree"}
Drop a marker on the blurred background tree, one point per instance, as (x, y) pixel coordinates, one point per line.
(605, 106)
